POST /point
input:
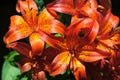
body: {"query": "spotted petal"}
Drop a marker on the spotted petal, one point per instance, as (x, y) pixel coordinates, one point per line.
(63, 6)
(56, 42)
(22, 48)
(17, 32)
(90, 8)
(17, 20)
(60, 63)
(110, 21)
(29, 10)
(78, 69)
(37, 44)
(92, 56)
(49, 24)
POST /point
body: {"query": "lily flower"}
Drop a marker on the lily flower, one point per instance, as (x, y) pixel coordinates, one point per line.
(37, 64)
(108, 37)
(75, 50)
(30, 24)
(81, 8)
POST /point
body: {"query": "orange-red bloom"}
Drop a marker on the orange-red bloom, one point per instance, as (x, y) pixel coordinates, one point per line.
(37, 64)
(31, 25)
(76, 49)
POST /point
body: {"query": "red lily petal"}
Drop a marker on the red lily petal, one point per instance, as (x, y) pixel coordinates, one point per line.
(17, 32)
(110, 21)
(78, 69)
(60, 63)
(111, 40)
(37, 44)
(90, 8)
(18, 7)
(79, 3)
(29, 10)
(26, 67)
(53, 41)
(83, 25)
(116, 38)
(17, 20)
(49, 54)
(94, 32)
(63, 6)
(78, 24)
(22, 48)
(49, 24)
(87, 26)
(91, 56)
(41, 75)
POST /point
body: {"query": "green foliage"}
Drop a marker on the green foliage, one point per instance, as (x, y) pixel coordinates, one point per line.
(40, 5)
(65, 18)
(10, 71)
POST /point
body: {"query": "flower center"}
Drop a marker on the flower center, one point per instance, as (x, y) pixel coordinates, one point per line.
(72, 52)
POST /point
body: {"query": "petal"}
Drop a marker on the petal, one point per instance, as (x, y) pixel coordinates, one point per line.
(26, 67)
(78, 69)
(105, 46)
(110, 21)
(88, 26)
(60, 63)
(17, 32)
(87, 23)
(49, 54)
(22, 48)
(79, 3)
(90, 8)
(55, 42)
(110, 41)
(94, 31)
(29, 10)
(49, 24)
(116, 39)
(18, 7)
(41, 75)
(92, 56)
(63, 6)
(37, 44)
(78, 24)
(17, 20)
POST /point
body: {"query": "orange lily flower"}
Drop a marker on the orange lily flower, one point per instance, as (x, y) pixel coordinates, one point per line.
(30, 24)
(81, 8)
(37, 64)
(108, 37)
(75, 50)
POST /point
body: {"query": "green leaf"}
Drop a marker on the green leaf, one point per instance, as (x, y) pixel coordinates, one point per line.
(9, 72)
(24, 78)
(11, 55)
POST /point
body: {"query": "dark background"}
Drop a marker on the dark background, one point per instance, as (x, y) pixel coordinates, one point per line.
(7, 9)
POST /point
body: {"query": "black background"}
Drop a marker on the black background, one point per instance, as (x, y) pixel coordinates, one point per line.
(7, 9)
